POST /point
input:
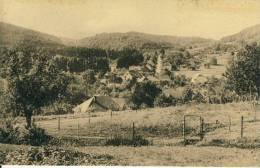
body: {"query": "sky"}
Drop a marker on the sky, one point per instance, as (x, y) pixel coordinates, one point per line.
(81, 18)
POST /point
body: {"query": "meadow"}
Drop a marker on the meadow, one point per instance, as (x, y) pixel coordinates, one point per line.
(220, 146)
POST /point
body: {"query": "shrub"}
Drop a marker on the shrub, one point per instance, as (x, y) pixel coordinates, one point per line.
(36, 136)
(55, 156)
(145, 93)
(164, 101)
(179, 80)
(137, 141)
(213, 61)
(17, 134)
(9, 133)
(89, 77)
(213, 91)
(2, 157)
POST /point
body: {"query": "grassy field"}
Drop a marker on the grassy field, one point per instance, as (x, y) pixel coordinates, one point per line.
(163, 126)
(180, 156)
(214, 70)
(157, 122)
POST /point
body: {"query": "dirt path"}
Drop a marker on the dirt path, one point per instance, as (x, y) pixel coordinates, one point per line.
(180, 156)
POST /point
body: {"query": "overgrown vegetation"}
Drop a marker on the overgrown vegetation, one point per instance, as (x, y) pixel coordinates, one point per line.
(243, 75)
(144, 94)
(17, 134)
(136, 141)
(53, 156)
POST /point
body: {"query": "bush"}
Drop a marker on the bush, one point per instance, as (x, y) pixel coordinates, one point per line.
(179, 80)
(213, 61)
(213, 91)
(164, 101)
(55, 156)
(17, 134)
(36, 137)
(145, 93)
(9, 133)
(2, 157)
(137, 141)
(89, 77)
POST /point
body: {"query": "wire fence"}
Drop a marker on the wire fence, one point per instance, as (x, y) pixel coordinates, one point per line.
(87, 127)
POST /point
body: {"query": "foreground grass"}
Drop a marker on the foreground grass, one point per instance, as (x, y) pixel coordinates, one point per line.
(180, 156)
(165, 156)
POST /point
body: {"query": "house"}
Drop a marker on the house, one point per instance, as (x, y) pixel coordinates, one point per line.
(150, 66)
(97, 103)
(113, 67)
(142, 79)
(135, 68)
(128, 76)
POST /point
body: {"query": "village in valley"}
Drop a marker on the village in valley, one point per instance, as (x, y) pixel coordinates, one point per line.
(130, 98)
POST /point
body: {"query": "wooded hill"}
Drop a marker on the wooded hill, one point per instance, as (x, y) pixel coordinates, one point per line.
(247, 35)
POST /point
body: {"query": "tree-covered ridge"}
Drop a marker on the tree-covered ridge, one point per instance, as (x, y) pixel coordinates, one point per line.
(136, 40)
(248, 35)
(11, 35)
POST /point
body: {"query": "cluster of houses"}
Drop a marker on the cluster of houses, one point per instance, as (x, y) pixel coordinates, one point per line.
(119, 78)
(149, 71)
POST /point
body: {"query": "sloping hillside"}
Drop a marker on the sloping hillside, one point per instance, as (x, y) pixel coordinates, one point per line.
(250, 34)
(11, 35)
(138, 41)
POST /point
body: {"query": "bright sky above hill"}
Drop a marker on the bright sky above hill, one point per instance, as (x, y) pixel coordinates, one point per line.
(81, 18)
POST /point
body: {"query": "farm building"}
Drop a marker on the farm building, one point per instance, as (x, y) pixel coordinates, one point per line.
(97, 103)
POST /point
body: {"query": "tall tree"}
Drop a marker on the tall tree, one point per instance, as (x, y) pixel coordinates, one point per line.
(243, 75)
(33, 80)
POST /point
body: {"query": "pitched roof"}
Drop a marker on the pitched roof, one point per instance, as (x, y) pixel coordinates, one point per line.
(97, 103)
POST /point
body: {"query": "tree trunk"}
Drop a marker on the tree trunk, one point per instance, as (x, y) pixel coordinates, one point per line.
(28, 118)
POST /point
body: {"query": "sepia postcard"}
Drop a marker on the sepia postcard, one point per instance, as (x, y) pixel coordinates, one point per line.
(130, 83)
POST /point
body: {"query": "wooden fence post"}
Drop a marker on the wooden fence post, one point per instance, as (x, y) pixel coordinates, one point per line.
(133, 138)
(59, 123)
(183, 130)
(89, 117)
(242, 122)
(78, 129)
(254, 108)
(229, 125)
(201, 128)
